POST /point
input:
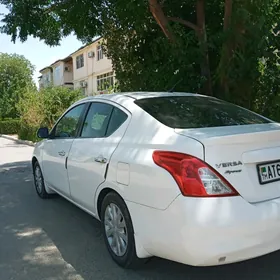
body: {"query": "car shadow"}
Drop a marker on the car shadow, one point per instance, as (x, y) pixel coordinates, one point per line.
(53, 239)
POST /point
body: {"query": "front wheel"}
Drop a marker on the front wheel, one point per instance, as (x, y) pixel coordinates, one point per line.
(118, 231)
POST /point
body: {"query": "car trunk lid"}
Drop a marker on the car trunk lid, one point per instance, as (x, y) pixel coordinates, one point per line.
(247, 156)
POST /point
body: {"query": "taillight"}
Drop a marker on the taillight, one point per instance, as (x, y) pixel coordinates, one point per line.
(193, 176)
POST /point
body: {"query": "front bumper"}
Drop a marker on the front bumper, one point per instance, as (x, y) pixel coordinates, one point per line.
(208, 231)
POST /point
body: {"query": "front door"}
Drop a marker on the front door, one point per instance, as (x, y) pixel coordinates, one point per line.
(90, 153)
(56, 150)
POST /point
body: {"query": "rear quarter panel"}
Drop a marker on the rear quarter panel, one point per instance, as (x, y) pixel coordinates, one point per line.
(142, 181)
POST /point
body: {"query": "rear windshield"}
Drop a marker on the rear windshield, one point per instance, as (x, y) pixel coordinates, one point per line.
(197, 112)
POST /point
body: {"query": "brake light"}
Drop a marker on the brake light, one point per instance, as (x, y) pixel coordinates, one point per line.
(193, 176)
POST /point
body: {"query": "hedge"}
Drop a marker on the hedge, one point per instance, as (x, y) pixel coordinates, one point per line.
(9, 126)
(28, 133)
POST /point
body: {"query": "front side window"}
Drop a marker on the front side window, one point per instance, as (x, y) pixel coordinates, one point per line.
(97, 120)
(105, 81)
(68, 124)
(197, 112)
(80, 61)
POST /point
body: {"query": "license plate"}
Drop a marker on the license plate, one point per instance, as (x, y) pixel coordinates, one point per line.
(269, 172)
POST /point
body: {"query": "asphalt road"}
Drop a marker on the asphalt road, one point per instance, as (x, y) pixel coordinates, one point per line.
(53, 239)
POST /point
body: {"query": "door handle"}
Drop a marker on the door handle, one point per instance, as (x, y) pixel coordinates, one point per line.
(100, 159)
(61, 153)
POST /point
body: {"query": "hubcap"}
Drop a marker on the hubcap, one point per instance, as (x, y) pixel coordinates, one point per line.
(115, 229)
(38, 180)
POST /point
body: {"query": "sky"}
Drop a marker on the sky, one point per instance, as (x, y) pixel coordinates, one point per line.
(36, 51)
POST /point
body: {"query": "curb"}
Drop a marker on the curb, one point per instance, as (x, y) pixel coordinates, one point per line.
(24, 142)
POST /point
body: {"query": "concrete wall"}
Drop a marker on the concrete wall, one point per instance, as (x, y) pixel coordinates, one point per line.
(68, 75)
(60, 75)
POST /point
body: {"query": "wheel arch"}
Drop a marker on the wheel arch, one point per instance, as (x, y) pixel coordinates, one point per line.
(34, 160)
(101, 194)
(100, 197)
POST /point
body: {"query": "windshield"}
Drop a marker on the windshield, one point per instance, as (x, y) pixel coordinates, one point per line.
(197, 112)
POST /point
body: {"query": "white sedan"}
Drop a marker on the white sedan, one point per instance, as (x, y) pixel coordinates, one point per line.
(180, 176)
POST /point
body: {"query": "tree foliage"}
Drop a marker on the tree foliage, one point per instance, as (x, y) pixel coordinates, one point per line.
(15, 77)
(226, 48)
(43, 108)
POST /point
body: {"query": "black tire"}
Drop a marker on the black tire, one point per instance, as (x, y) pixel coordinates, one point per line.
(129, 259)
(41, 191)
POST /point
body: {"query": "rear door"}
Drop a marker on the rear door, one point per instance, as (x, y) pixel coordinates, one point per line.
(103, 128)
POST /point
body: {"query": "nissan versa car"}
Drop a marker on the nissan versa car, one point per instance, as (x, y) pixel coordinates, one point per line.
(180, 176)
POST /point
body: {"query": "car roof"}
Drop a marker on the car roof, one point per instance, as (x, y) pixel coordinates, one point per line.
(140, 95)
(117, 97)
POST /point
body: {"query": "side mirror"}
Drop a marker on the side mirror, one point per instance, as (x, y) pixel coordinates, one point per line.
(43, 133)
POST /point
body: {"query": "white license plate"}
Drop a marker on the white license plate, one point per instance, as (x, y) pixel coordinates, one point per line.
(269, 172)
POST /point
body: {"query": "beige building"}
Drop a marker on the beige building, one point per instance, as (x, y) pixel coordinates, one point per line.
(60, 73)
(93, 71)
(87, 68)
(63, 72)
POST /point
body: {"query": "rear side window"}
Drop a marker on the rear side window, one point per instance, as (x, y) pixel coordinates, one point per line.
(97, 120)
(197, 112)
(117, 119)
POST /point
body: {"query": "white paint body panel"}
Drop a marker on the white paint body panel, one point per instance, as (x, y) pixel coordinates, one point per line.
(249, 144)
(148, 184)
(195, 231)
(123, 173)
(200, 231)
(53, 164)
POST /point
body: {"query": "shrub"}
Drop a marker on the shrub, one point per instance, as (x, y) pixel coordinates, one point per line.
(43, 108)
(9, 126)
(27, 133)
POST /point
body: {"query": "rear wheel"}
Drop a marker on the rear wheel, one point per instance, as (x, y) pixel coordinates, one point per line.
(39, 182)
(118, 231)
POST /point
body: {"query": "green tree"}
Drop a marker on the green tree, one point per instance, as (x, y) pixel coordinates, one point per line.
(15, 78)
(214, 47)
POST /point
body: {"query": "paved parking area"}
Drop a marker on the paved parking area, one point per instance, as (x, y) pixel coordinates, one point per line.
(53, 239)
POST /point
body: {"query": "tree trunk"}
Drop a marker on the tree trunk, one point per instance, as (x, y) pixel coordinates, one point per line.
(202, 41)
(161, 19)
(200, 30)
(227, 50)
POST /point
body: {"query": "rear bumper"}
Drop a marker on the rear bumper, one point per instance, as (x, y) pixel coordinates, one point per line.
(208, 231)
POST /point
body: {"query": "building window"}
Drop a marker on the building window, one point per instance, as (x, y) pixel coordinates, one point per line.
(80, 61)
(99, 52)
(57, 76)
(46, 79)
(105, 81)
(83, 90)
(82, 85)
